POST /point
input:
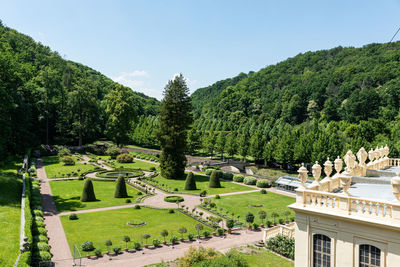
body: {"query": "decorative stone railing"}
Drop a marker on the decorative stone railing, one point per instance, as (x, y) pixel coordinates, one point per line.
(286, 230)
(394, 162)
(348, 204)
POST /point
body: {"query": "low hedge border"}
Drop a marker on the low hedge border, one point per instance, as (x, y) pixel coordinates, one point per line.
(220, 215)
(197, 218)
(136, 173)
(146, 180)
(173, 199)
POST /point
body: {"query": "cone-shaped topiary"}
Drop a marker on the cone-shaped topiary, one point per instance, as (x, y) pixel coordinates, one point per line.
(88, 192)
(120, 189)
(214, 180)
(190, 182)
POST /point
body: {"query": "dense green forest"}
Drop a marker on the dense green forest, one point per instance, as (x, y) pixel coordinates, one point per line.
(306, 108)
(47, 99)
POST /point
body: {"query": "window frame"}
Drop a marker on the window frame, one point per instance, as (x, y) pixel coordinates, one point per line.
(362, 241)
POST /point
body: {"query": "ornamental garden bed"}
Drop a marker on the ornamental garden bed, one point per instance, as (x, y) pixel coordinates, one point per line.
(55, 169)
(112, 225)
(67, 195)
(173, 199)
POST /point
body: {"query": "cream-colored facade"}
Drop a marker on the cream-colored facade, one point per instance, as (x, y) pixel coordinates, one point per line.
(359, 225)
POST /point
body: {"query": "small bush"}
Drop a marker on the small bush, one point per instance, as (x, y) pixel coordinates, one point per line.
(228, 176)
(152, 169)
(68, 160)
(281, 221)
(255, 225)
(43, 246)
(73, 216)
(206, 233)
(217, 197)
(213, 205)
(171, 211)
(137, 207)
(136, 246)
(40, 231)
(113, 151)
(40, 238)
(230, 223)
(220, 231)
(139, 193)
(39, 224)
(263, 191)
(249, 180)
(125, 158)
(64, 152)
(174, 239)
(42, 256)
(98, 252)
(38, 213)
(156, 242)
(238, 178)
(262, 183)
(190, 236)
(117, 250)
(88, 246)
(282, 245)
(128, 201)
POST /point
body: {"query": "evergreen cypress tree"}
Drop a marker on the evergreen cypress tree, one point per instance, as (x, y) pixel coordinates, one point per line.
(190, 182)
(120, 188)
(175, 120)
(214, 180)
(88, 192)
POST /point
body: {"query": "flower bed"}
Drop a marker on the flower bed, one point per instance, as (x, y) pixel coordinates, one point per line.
(173, 199)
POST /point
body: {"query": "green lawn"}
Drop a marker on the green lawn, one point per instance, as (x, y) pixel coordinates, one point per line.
(67, 195)
(55, 169)
(136, 164)
(10, 215)
(201, 184)
(239, 205)
(112, 224)
(267, 259)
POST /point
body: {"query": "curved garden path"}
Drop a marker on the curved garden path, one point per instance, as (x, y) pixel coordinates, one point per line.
(61, 251)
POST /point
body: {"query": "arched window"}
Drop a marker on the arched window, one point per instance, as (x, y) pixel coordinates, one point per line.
(370, 256)
(321, 251)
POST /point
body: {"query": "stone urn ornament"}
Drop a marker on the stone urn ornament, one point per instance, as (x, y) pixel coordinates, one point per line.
(338, 165)
(303, 175)
(316, 171)
(328, 168)
(396, 186)
(345, 182)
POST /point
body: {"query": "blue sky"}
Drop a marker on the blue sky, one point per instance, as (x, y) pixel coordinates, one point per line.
(142, 44)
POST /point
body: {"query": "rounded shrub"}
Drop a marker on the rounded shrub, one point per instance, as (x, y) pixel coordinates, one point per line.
(137, 207)
(73, 216)
(62, 152)
(173, 199)
(88, 192)
(40, 238)
(42, 256)
(220, 231)
(88, 246)
(40, 231)
(117, 250)
(190, 183)
(120, 189)
(43, 246)
(156, 242)
(98, 252)
(214, 180)
(249, 217)
(228, 176)
(263, 191)
(68, 160)
(152, 169)
(171, 211)
(137, 245)
(39, 224)
(262, 183)
(128, 201)
(38, 213)
(125, 158)
(249, 180)
(217, 197)
(113, 151)
(238, 178)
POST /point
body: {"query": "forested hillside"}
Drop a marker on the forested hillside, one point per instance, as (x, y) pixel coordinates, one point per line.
(306, 108)
(47, 99)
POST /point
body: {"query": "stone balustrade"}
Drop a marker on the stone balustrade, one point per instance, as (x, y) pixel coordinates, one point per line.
(394, 162)
(286, 230)
(343, 203)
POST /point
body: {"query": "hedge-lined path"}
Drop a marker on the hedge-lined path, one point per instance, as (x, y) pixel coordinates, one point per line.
(167, 253)
(57, 239)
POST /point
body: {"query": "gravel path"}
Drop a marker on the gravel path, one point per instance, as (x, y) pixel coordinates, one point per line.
(57, 239)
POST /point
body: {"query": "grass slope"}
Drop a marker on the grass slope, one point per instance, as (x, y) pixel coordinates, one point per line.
(55, 169)
(10, 213)
(267, 259)
(239, 205)
(101, 226)
(67, 195)
(201, 184)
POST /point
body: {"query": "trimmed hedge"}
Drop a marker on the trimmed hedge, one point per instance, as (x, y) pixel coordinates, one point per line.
(249, 180)
(214, 180)
(190, 183)
(120, 189)
(263, 183)
(88, 192)
(238, 178)
(125, 158)
(227, 176)
(173, 199)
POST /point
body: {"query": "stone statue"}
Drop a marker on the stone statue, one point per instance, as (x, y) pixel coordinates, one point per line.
(371, 155)
(350, 161)
(396, 186)
(362, 157)
(303, 174)
(338, 165)
(328, 168)
(316, 171)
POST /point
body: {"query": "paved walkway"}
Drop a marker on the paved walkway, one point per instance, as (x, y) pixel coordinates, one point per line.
(57, 239)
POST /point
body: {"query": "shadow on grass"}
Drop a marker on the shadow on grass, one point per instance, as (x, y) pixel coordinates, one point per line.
(69, 204)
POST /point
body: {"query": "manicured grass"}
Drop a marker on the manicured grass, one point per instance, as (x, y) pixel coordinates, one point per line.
(67, 195)
(201, 184)
(55, 169)
(10, 167)
(10, 215)
(239, 205)
(267, 259)
(271, 173)
(135, 164)
(112, 224)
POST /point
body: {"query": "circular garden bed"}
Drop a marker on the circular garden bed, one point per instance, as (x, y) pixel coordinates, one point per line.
(256, 205)
(136, 223)
(173, 199)
(114, 174)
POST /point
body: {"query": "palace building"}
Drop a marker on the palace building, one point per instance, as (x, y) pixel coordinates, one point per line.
(351, 218)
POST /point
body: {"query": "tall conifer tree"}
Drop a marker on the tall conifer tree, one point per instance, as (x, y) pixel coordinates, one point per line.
(175, 120)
